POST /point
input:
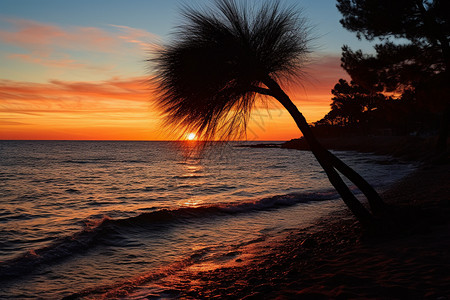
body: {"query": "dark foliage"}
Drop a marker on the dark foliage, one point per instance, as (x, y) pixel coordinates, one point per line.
(358, 111)
(419, 68)
(394, 68)
(415, 20)
(352, 105)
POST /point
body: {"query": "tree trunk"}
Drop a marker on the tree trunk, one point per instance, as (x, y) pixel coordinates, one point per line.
(323, 156)
(377, 205)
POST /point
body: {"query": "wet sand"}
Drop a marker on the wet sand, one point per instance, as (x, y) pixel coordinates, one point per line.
(337, 259)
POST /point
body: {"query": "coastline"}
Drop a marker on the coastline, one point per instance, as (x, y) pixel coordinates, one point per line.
(337, 259)
(406, 148)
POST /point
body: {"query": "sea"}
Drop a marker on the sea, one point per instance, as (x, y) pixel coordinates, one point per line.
(82, 219)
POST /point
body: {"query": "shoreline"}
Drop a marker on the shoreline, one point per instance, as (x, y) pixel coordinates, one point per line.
(406, 148)
(337, 259)
(409, 148)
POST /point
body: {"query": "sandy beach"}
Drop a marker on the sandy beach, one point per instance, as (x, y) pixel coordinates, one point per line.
(337, 259)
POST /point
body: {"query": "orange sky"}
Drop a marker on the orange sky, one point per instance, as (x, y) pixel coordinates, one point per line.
(59, 81)
(121, 108)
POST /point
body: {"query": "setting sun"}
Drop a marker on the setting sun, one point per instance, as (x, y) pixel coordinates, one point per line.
(191, 136)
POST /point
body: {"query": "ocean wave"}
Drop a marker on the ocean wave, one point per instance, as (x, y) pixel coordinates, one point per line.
(105, 230)
(54, 252)
(188, 176)
(97, 160)
(123, 287)
(209, 211)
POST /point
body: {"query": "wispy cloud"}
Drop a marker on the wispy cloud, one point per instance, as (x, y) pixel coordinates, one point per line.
(65, 95)
(66, 63)
(7, 122)
(144, 39)
(119, 108)
(35, 36)
(54, 46)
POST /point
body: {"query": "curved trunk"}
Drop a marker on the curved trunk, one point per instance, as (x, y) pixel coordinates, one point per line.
(377, 205)
(324, 157)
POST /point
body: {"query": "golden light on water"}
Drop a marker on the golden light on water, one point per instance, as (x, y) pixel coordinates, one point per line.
(193, 202)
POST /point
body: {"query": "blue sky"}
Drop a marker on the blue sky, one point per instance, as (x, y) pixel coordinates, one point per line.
(159, 17)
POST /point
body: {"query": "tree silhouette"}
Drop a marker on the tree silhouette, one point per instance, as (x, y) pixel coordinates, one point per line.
(223, 60)
(356, 110)
(353, 103)
(414, 71)
(426, 25)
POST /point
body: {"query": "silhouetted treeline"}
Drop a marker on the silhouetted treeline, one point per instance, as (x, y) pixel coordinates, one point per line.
(358, 111)
(404, 87)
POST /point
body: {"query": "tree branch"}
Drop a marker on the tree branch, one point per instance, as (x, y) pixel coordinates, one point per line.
(262, 91)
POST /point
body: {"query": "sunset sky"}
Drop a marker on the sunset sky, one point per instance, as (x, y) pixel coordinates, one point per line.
(76, 70)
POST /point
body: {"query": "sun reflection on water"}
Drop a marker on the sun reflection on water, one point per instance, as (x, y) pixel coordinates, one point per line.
(192, 175)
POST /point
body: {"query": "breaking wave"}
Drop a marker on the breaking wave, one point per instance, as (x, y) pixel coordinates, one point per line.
(105, 230)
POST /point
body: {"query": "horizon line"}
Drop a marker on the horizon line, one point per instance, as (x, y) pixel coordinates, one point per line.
(56, 140)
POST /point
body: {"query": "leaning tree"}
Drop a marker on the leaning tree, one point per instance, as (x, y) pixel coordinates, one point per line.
(222, 60)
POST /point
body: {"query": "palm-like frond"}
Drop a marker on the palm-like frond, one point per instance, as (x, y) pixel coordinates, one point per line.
(209, 77)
